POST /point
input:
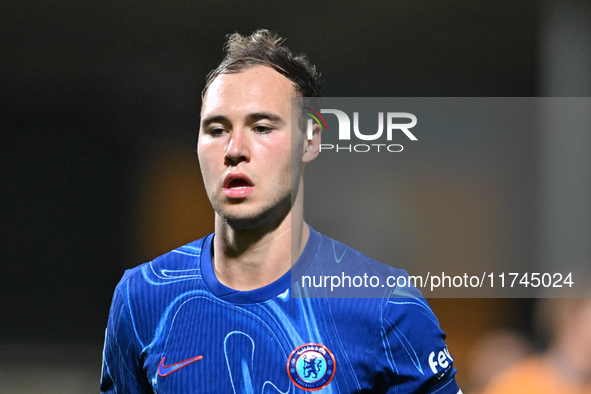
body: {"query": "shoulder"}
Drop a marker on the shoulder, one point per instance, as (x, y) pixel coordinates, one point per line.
(145, 292)
(338, 254)
(350, 272)
(382, 297)
(178, 265)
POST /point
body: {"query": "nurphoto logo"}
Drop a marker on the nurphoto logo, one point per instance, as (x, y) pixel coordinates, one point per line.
(344, 130)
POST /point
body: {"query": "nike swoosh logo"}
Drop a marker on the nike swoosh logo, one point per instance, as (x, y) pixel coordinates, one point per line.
(167, 370)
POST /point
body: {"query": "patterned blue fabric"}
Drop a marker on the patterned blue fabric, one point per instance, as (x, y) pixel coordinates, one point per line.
(174, 328)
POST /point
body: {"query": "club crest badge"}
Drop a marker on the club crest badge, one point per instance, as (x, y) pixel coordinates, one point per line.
(311, 366)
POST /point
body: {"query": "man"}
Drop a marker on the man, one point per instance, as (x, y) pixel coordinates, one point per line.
(220, 315)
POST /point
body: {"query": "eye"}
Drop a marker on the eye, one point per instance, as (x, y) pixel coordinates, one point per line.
(262, 129)
(216, 131)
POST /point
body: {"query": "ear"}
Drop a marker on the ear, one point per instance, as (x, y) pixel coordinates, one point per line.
(312, 146)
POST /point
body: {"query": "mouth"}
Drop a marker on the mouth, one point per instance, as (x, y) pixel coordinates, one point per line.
(237, 185)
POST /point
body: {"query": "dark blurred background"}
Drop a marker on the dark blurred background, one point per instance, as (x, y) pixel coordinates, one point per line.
(99, 109)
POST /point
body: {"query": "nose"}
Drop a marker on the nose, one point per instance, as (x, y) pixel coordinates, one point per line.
(238, 147)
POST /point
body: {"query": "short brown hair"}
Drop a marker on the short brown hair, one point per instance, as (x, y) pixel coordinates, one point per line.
(265, 48)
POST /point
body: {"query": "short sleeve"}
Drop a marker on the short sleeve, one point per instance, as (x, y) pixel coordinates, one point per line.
(416, 355)
(121, 371)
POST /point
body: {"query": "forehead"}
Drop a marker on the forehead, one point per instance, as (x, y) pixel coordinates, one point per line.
(255, 89)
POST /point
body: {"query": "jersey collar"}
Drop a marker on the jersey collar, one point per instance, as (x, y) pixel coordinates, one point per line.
(265, 293)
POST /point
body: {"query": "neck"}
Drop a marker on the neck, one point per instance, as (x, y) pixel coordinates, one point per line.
(250, 259)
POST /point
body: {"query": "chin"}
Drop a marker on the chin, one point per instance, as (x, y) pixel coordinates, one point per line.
(249, 219)
(241, 223)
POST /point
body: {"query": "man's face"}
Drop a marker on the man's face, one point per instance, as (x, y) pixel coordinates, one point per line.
(245, 146)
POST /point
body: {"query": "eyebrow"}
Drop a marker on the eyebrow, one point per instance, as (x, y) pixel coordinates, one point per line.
(265, 115)
(251, 117)
(212, 119)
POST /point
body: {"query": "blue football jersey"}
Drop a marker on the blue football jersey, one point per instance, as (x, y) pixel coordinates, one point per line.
(174, 328)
